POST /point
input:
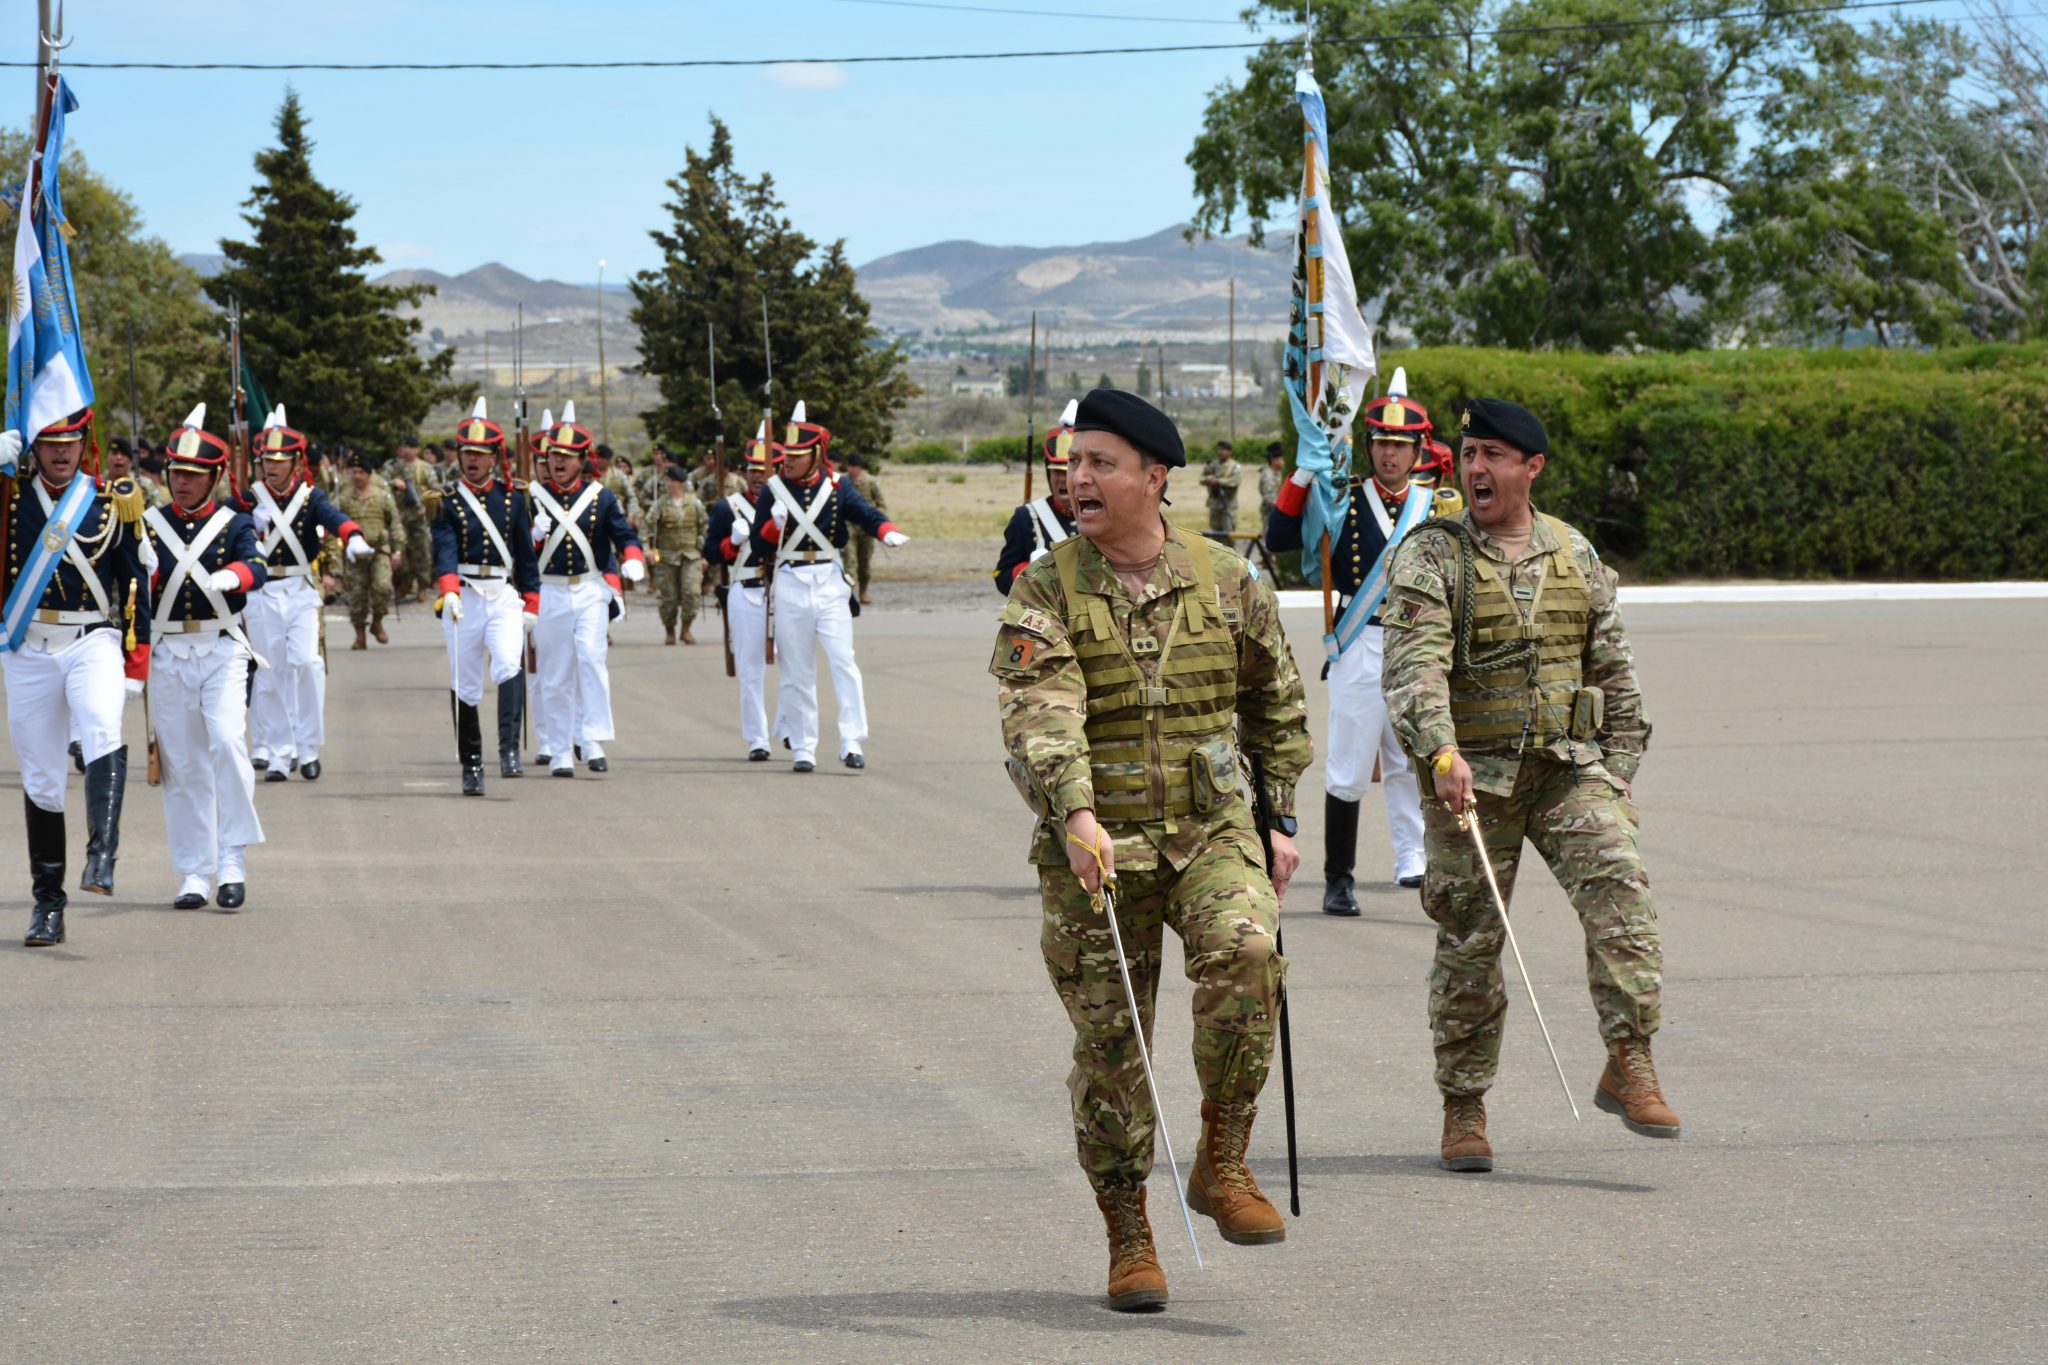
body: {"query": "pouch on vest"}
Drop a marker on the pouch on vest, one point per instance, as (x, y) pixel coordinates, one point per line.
(1212, 775)
(1589, 708)
(1027, 787)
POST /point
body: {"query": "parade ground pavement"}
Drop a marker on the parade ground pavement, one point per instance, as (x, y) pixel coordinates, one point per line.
(703, 1060)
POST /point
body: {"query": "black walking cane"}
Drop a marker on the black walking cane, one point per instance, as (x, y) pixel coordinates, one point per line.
(1262, 815)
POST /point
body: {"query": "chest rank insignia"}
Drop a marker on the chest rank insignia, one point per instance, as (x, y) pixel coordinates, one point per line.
(1144, 646)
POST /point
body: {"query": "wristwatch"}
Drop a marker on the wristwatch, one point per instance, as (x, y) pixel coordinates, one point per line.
(1286, 824)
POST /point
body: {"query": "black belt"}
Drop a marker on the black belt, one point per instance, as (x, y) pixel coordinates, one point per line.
(750, 582)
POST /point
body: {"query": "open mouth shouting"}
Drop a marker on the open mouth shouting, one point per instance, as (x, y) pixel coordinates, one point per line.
(1479, 488)
(1087, 506)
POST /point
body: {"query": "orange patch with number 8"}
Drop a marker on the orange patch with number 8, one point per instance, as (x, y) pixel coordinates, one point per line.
(1021, 652)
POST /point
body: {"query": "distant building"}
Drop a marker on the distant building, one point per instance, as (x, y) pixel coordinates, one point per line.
(979, 386)
(1216, 381)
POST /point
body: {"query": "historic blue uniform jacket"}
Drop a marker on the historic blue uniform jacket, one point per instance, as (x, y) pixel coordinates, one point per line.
(718, 546)
(603, 524)
(234, 548)
(111, 546)
(1355, 548)
(1020, 542)
(316, 511)
(459, 538)
(843, 511)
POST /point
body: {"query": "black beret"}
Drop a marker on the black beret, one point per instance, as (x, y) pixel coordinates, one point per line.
(1137, 421)
(151, 464)
(1496, 419)
(409, 441)
(603, 452)
(857, 459)
(1273, 450)
(358, 460)
(120, 444)
(678, 473)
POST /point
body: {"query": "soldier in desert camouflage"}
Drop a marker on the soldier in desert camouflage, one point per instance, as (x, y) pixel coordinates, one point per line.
(1132, 661)
(1509, 678)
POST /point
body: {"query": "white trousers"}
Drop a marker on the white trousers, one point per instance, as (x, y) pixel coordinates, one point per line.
(1359, 730)
(488, 643)
(570, 639)
(51, 694)
(811, 613)
(197, 702)
(287, 712)
(747, 610)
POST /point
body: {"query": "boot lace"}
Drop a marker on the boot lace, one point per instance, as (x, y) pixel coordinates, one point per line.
(1637, 1068)
(1133, 1237)
(1468, 1114)
(1234, 1127)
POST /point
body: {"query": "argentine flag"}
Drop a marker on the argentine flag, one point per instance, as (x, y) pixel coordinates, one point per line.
(47, 378)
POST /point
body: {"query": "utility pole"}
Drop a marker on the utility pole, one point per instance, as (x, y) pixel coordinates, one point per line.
(604, 410)
(1233, 360)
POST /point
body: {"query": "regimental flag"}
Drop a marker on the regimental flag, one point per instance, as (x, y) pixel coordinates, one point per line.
(1329, 348)
(47, 377)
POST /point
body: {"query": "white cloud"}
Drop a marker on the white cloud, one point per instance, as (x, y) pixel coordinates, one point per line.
(405, 253)
(808, 75)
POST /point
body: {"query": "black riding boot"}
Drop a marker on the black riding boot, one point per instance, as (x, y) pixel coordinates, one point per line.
(469, 743)
(511, 715)
(46, 875)
(106, 781)
(1340, 853)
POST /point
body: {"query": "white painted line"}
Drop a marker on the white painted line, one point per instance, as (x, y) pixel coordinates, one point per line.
(1709, 593)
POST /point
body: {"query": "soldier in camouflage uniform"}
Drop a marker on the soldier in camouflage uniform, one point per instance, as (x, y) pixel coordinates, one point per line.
(1130, 660)
(409, 479)
(1221, 476)
(1271, 479)
(368, 580)
(705, 480)
(870, 487)
(674, 533)
(1509, 676)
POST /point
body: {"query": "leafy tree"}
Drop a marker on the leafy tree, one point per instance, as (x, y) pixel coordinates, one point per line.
(1073, 381)
(316, 333)
(129, 282)
(1102, 381)
(1143, 387)
(1015, 378)
(727, 246)
(1533, 186)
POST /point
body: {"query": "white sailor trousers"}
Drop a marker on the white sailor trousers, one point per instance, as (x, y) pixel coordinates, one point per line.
(488, 644)
(57, 686)
(288, 706)
(812, 613)
(746, 610)
(197, 687)
(1361, 729)
(570, 640)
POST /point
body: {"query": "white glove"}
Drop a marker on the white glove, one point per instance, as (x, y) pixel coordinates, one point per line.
(145, 550)
(738, 538)
(528, 620)
(1304, 477)
(10, 447)
(542, 524)
(780, 515)
(134, 686)
(632, 571)
(261, 516)
(358, 548)
(451, 606)
(895, 538)
(225, 580)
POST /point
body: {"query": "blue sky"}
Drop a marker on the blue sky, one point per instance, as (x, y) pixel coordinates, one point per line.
(1031, 152)
(887, 157)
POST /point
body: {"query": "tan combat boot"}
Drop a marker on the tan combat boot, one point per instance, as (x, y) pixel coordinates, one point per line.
(670, 638)
(1465, 1147)
(360, 643)
(1136, 1282)
(377, 631)
(1628, 1087)
(688, 638)
(1221, 1185)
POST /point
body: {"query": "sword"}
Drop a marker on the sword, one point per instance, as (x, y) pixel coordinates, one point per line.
(1469, 822)
(1105, 901)
(1262, 816)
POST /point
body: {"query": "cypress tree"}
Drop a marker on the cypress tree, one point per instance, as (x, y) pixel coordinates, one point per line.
(316, 333)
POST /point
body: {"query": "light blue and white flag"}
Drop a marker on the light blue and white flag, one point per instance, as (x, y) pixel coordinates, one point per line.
(1329, 348)
(47, 377)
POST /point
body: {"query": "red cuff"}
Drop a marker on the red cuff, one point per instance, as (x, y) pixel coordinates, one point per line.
(347, 529)
(612, 579)
(729, 550)
(887, 527)
(138, 661)
(1292, 499)
(242, 572)
(772, 532)
(1018, 572)
(532, 601)
(448, 583)
(633, 552)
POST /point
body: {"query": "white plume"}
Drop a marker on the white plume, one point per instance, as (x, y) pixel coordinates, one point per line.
(276, 418)
(796, 414)
(197, 418)
(479, 410)
(569, 412)
(1398, 387)
(1072, 411)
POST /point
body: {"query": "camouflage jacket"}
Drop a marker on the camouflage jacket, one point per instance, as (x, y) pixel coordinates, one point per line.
(1228, 474)
(674, 529)
(1043, 697)
(376, 511)
(1421, 633)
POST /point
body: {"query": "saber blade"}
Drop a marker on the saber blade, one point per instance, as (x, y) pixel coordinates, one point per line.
(1107, 901)
(1469, 822)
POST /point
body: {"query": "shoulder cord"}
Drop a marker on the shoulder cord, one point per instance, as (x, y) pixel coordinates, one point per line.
(1498, 658)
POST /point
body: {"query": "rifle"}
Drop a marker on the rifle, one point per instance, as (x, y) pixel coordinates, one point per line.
(718, 492)
(1031, 407)
(238, 432)
(768, 435)
(1262, 815)
(521, 477)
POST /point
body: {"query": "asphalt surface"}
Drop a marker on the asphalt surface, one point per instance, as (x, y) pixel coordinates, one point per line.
(704, 1060)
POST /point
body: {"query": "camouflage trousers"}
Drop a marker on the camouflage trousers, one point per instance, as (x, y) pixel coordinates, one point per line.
(1223, 518)
(863, 559)
(677, 582)
(415, 571)
(1585, 829)
(368, 581)
(1222, 907)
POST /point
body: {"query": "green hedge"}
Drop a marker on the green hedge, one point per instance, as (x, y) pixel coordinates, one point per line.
(1782, 464)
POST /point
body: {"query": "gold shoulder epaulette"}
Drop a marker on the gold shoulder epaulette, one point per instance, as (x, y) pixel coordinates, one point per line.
(128, 499)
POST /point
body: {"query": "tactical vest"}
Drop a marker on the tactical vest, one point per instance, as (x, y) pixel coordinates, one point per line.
(1159, 745)
(1526, 705)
